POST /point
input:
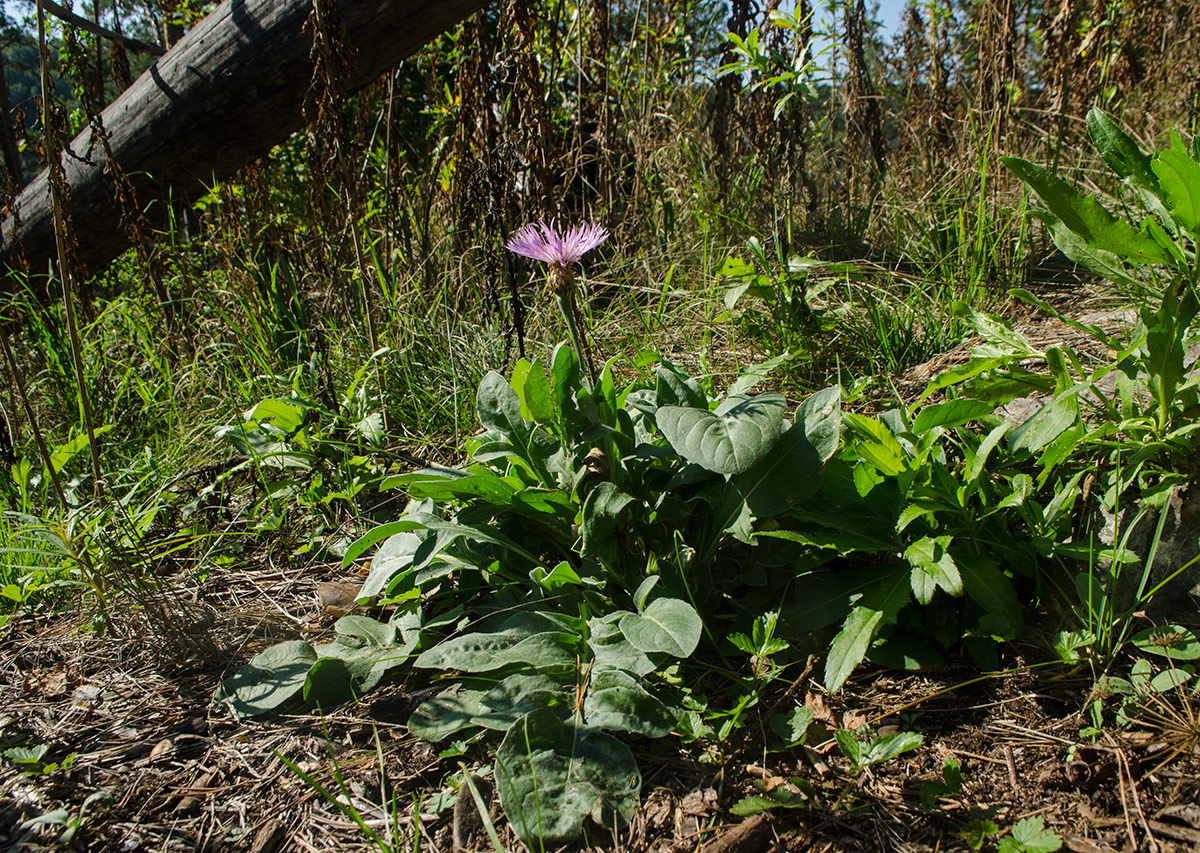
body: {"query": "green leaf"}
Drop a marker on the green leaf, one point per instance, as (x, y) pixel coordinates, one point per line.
(1030, 836)
(668, 625)
(393, 558)
(1048, 423)
(1105, 264)
(991, 590)
(1170, 641)
(1086, 217)
(536, 501)
(977, 831)
(673, 387)
(450, 711)
(600, 512)
(554, 579)
(887, 747)
(792, 726)
(537, 395)
(950, 413)
(730, 440)
(285, 416)
(487, 651)
(499, 407)
(931, 558)
(328, 683)
(1118, 149)
(270, 679)
(850, 746)
(610, 649)
(1179, 178)
(618, 701)
(948, 785)
(443, 483)
(878, 605)
(516, 696)
(553, 776)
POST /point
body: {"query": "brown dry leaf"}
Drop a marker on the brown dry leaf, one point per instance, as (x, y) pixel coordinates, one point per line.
(815, 702)
(337, 597)
(853, 720)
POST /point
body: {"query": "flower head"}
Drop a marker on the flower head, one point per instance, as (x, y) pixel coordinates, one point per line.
(541, 242)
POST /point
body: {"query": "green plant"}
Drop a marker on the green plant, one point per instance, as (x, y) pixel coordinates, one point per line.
(69, 824)
(769, 69)
(785, 320)
(1029, 835)
(33, 760)
(1135, 433)
(949, 785)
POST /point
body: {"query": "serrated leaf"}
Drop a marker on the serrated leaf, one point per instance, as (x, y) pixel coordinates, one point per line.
(730, 440)
(877, 605)
(931, 557)
(553, 777)
(1030, 836)
(668, 625)
(1086, 216)
(1179, 180)
(792, 726)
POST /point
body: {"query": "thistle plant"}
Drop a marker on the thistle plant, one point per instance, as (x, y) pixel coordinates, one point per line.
(561, 252)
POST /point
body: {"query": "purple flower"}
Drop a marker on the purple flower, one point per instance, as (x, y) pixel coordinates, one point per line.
(542, 243)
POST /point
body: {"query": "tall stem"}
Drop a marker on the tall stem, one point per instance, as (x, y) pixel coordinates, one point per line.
(570, 312)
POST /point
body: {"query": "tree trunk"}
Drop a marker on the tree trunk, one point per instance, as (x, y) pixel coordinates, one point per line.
(231, 89)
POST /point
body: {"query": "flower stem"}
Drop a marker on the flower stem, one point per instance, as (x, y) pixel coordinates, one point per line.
(575, 329)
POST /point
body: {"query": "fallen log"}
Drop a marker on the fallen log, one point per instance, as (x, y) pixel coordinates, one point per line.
(226, 93)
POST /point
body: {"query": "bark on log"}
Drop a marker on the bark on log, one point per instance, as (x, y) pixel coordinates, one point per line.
(231, 89)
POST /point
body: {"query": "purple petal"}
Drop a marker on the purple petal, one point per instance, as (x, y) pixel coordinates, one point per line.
(542, 242)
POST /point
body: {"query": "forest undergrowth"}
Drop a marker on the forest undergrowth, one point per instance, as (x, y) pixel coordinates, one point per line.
(649, 426)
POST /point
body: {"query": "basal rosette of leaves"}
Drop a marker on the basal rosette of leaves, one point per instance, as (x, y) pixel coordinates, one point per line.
(598, 536)
(593, 539)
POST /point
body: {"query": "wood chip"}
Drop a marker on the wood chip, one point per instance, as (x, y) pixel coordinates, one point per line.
(748, 836)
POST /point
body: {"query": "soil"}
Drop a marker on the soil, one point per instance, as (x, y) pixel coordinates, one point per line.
(181, 774)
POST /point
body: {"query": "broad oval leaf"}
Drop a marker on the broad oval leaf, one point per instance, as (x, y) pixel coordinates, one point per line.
(483, 652)
(272, 677)
(730, 440)
(450, 711)
(498, 405)
(618, 702)
(553, 776)
(668, 625)
(1172, 641)
(516, 696)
